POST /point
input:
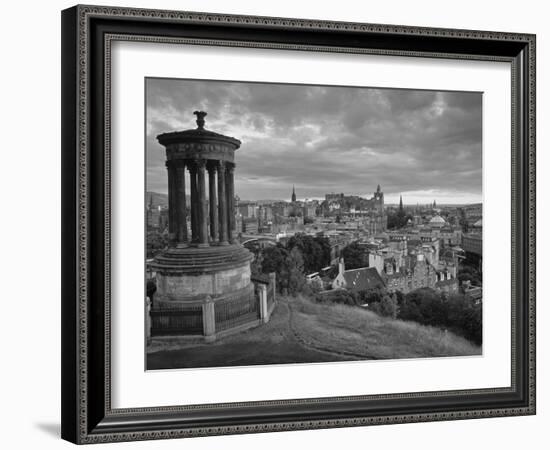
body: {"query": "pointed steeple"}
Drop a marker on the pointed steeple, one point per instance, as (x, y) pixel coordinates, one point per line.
(293, 198)
(400, 203)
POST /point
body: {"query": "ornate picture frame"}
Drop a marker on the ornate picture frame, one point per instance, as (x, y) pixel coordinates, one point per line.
(88, 33)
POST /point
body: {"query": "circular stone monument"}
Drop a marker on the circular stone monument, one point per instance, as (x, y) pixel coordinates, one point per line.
(203, 277)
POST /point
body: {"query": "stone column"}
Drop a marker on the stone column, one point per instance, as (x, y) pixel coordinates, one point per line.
(172, 202)
(209, 320)
(272, 281)
(213, 203)
(181, 206)
(264, 313)
(194, 202)
(202, 207)
(222, 203)
(230, 204)
(148, 319)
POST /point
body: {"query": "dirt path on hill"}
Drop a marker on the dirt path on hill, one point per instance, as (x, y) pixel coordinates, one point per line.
(305, 341)
(277, 342)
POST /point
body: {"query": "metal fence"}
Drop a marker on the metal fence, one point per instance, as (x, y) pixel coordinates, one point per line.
(236, 310)
(180, 319)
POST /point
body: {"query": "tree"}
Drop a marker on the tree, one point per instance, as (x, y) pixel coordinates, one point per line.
(420, 306)
(355, 256)
(371, 296)
(469, 273)
(465, 317)
(398, 220)
(288, 266)
(155, 243)
(315, 251)
(291, 274)
(273, 258)
(387, 307)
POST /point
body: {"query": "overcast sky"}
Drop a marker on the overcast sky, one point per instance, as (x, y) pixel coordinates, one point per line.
(425, 145)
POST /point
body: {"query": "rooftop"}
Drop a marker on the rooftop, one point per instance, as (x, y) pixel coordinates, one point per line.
(363, 279)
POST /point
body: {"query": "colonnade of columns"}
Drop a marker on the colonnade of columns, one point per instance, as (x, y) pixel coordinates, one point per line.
(212, 221)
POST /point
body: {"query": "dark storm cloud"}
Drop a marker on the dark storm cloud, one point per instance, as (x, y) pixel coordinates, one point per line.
(424, 144)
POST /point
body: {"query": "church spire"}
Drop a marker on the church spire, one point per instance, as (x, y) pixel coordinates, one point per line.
(400, 203)
(293, 194)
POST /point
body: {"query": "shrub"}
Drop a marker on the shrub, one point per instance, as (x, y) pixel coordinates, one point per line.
(371, 296)
(151, 288)
(387, 307)
(339, 296)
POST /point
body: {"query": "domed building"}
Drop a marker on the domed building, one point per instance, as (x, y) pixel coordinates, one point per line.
(437, 222)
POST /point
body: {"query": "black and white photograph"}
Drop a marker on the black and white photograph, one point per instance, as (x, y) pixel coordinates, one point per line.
(275, 225)
(293, 223)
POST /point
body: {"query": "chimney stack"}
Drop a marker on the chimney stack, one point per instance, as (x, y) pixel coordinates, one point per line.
(341, 266)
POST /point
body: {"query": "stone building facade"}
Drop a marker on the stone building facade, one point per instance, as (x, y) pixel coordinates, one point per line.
(417, 273)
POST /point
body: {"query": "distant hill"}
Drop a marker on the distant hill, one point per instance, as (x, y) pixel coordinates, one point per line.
(158, 199)
(161, 199)
(262, 202)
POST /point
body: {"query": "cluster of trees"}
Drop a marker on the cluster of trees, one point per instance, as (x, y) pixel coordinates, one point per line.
(288, 266)
(315, 251)
(469, 273)
(425, 306)
(456, 312)
(301, 255)
(355, 256)
(398, 219)
(155, 243)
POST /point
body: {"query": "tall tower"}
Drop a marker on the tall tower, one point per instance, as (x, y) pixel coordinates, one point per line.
(293, 198)
(379, 200)
(203, 278)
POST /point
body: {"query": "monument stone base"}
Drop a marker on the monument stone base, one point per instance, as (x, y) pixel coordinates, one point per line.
(204, 292)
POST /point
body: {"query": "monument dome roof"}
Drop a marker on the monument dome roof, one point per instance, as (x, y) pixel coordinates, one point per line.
(199, 134)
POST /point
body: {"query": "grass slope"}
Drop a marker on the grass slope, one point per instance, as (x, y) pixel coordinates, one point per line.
(360, 331)
(302, 331)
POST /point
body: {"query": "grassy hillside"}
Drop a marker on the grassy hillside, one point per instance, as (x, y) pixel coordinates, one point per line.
(360, 331)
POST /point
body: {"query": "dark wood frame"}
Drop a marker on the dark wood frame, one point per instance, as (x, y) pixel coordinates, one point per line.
(87, 415)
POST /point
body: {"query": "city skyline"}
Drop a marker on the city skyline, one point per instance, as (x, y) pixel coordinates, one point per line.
(423, 145)
(321, 199)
